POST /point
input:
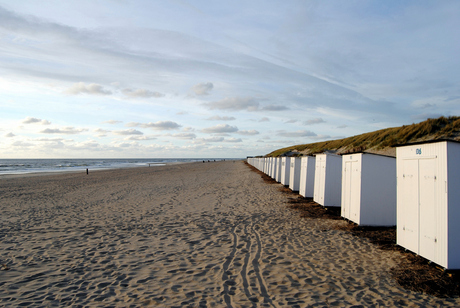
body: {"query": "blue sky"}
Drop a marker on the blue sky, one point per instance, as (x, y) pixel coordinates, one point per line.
(91, 79)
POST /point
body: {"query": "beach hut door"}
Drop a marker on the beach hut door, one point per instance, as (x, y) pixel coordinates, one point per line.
(352, 190)
(410, 200)
(320, 186)
(419, 181)
(348, 178)
(428, 205)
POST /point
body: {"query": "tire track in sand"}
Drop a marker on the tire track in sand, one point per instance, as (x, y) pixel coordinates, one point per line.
(226, 266)
(255, 264)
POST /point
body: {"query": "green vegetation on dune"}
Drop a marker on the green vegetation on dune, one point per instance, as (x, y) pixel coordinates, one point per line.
(378, 141)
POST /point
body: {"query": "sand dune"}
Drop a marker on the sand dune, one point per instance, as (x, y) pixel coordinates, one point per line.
(190, 235)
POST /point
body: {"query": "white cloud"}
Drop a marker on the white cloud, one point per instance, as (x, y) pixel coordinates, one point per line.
(314, 121)
(50, 139)
(221, 128)
(184, 135)
(264, 119)
(160, 125)
(140, 138)
(203, 88)
(30, 120)
(248, 132)
(101, 132)
(64, 131)
(92, 88)
(22, 144)
(141, 93)
(10, 135)
(211, 139)
(232, 140)
(234, 103)
(275, 108)
(299, 133)
(112, 122)
(128, 132)
(219, 118)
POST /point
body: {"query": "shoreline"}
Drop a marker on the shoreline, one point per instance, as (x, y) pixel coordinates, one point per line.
(82, 171)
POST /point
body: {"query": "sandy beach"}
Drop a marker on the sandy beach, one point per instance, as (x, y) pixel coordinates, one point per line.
(187, 235)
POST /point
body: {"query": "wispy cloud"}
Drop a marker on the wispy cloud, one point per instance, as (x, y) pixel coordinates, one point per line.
(92, 88)
(101, 132)
(211, 139)
(30, 120)
(184, 136)
(233, 140)
(251, 132)
(140, 138)
(160, 125)
(234, 103)
(299, 133)
(203, 88)
(314, 121)
(275, 108)
(113, 122)
(141, 93)
(128, 132)
(219, 118)
(221, 128)
(64, 130)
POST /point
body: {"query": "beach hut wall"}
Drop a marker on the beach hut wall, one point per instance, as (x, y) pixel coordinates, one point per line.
(328, 180)
(428, 200)
(307, 176)
(369, 189)
(294, 174)
(278, 170)
(285, 170)
(267, 165)
(270, 166)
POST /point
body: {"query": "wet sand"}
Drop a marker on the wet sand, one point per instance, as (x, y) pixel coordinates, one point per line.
(188, 235)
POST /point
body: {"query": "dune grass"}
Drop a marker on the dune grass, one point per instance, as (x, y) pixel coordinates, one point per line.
(431, 129)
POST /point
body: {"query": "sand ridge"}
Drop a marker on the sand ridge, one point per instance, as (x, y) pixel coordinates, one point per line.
(189, 235)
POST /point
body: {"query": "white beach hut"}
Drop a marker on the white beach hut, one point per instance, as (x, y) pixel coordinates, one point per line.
(307, 176)
(274, 165)
(272, 168)
(428, 200)
(328, 179)
(294, 174)
(369, 189)
(278, 170)
(285, 170)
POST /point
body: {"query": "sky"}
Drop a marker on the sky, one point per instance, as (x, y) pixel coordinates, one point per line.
(218, 79)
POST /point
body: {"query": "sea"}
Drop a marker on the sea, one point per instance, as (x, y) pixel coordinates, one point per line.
(23, 166)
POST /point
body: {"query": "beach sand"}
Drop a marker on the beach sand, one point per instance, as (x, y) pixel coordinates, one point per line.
(189, 235)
